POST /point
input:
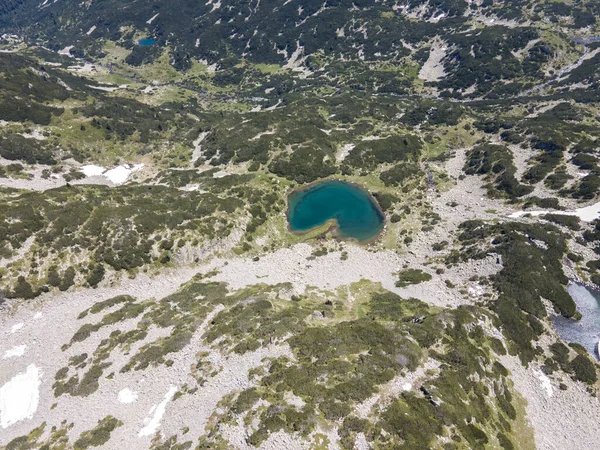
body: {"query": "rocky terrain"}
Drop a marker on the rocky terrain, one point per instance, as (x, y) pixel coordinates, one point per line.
(152, 295)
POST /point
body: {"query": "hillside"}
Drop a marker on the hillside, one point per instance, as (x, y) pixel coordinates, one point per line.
(153, 294)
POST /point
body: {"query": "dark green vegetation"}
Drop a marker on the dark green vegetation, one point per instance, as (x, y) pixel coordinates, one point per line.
(32, 93)
(122, 228)
(99, 435)
(226, 35)
(185, 311)
(574, 361)
(297, 136)
(336, 365)
(358, 111)
(57, 437)
(531, 257)
(340, 366)
(553, 136)
(17, 148)
(18, 75)
(412, 276)
(571, 222)
(300, 141)
(495, 162)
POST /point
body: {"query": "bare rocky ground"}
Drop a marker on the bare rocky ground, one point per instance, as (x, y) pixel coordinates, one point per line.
(433, 69)
(560, 419)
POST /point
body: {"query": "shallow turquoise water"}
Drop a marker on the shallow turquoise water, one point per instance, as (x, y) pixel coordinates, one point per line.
(146, 42)
(356, 211)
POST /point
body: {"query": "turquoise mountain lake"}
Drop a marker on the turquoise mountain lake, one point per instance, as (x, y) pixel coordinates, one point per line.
(146, 42)
(356, 212)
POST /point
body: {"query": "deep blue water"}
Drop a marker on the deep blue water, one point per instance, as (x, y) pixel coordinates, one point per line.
(146, 42)
(587, 330)
(355, 210)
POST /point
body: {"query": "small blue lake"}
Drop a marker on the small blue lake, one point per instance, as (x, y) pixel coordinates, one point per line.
(146, 42)
(585, 331)
(355, 211)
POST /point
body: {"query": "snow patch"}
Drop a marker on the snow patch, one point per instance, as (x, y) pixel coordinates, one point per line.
(66, 51)
(587, 214)
(149, 21)
(545, 383)
(20, 396)
(119, 174)
(127, 396)
(344, 152)
(92, 170)
(91, 30)
(16, 327)
(151, 424)
(17, 351)
(108, 88)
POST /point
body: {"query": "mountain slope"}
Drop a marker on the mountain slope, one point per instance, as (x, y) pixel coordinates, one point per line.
(153, 294)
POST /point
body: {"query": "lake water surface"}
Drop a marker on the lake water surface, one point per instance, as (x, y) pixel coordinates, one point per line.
(587, 330)
(356, 212)
(146, 42)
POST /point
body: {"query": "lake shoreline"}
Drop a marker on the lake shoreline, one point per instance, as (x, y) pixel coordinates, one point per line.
(584, 331)
(332, 224)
